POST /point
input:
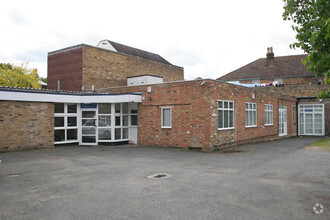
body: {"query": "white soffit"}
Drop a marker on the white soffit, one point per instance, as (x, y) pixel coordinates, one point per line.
(67, 98)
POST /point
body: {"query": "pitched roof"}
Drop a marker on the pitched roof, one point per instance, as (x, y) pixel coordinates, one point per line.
(137, 52)
(284, 66)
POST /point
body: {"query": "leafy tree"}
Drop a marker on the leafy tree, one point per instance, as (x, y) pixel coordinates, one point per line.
(311, 22)
(18, 76)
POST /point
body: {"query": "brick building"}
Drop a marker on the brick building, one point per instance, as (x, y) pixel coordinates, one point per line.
(85, 67)
(139, 98)
(294, 80)
(283, 69)
(204, 114)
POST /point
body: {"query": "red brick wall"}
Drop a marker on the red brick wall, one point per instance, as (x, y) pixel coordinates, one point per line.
(66, 66)
(195, 114)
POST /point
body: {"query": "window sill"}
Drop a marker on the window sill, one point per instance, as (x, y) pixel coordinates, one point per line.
(253, 126)
(269, 125)
(167, 127)
(222, 129)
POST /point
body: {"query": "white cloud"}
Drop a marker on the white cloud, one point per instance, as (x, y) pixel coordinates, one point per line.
(208, 38)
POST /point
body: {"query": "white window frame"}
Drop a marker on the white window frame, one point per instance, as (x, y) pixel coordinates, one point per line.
(251, 110)
(65, 115)
(302, 117)
(269, 111)
(226, 109)
(162, 108)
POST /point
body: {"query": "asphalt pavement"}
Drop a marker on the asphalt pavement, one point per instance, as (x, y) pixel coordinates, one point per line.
(270, 180)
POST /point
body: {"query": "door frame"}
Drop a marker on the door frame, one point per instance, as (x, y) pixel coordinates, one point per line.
(283, 114)
(82, 127)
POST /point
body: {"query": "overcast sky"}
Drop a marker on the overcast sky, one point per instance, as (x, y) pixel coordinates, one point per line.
(208, 38)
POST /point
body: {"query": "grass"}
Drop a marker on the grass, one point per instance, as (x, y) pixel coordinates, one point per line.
(322, 145)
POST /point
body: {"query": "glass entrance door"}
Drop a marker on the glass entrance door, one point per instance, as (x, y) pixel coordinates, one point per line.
(282, 121)
(88, 127)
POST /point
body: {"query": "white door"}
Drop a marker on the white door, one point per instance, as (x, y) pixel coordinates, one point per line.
(88, 127)
(282, 121)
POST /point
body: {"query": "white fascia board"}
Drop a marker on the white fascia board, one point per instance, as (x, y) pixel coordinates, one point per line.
(67, 98)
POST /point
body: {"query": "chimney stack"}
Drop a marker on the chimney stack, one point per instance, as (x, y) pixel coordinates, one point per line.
(270, 57)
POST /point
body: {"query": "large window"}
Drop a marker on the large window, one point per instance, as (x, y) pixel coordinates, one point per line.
(65, 123)
(166, 117)
(250, 114)
(225, 115)
(268, 114)
(311, 119)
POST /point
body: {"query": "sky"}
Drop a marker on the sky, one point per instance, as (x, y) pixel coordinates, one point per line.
(209, 38)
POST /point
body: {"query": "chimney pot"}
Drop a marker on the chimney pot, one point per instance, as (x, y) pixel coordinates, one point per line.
(270, 57)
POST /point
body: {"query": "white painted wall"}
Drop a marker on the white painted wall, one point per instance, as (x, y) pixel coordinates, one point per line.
(143, 80)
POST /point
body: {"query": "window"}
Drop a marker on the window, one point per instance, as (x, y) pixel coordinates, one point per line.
(250, 114)
(294, 115)
(268, 114)
(65, 123)
(166, 117)
(311, 119)
(225, 115)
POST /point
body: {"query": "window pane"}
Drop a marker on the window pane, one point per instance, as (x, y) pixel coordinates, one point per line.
(246, 105)
(231, 119)
(72, 121)
(104, 134)
(231, 105)
(88, 139)
(59, 135)
(226, 121)
(117, 107)
(246, 118)
(133, 119)
(88, 114)
(104, 108)
(88, 122)
(270, 117)
(220, 119)
(72, 108)
(117, 133)
(59, 122)
(125, 108)
(134, 111)
(125, 133)
(220, 104)
(254, 118)
(118, 121)
(166, 117)
(72, 134)
(225, 104)
(104, 121)
(125, 120)
(88, 130)
(59, 107)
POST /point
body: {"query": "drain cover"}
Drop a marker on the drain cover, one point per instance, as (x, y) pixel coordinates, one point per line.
(159, 176)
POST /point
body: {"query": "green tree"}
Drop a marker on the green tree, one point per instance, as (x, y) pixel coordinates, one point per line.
(311, 22)
(18, 76)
